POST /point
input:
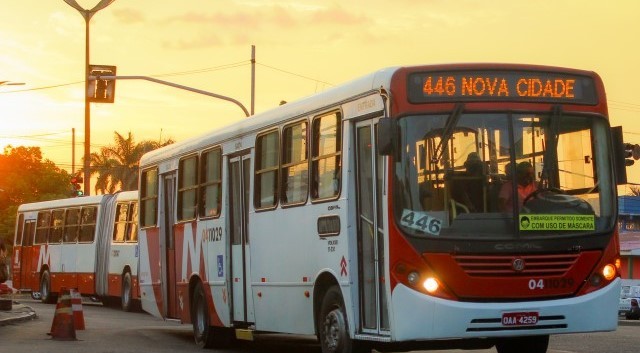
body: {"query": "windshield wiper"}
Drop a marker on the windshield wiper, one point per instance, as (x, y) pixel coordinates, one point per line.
(447, 131)
(551, 151)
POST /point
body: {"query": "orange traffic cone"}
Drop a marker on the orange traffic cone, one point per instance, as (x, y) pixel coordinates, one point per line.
(76, 305)
(62, 328)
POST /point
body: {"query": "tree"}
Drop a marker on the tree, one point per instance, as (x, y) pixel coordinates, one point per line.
(24, 178)
(116, 166)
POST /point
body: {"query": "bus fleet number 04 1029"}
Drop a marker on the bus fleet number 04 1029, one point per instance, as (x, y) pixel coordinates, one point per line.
(554, 283)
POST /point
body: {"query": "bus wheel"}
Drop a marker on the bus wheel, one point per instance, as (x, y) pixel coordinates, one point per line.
(333, 330)
(126, 297)
(530, 344)
(202, 330)
(45, 288)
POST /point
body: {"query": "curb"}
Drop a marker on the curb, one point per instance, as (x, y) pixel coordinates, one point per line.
(18, 313)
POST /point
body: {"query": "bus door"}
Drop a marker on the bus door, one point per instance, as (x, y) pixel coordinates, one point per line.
(167, 244)
(23, 254)
(242, 300)
(371, 247)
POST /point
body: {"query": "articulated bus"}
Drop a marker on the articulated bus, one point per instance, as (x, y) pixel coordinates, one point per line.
(89, 243)
(379, 214)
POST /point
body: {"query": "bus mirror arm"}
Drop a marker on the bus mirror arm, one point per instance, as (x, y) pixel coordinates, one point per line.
(387, 129)
(387, 133)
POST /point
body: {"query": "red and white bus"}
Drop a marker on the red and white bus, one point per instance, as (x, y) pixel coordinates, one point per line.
(351, 214)
(89, 243)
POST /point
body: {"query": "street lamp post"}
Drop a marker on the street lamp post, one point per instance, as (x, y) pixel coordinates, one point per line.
(87, 14)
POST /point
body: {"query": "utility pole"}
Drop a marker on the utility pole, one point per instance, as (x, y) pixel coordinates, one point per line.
(73, 151)
(253, 79)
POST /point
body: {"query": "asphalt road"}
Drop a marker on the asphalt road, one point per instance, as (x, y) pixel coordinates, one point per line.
(110, 330)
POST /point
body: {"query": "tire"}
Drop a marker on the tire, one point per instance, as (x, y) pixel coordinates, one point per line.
(126, 297)
(202, 330)
(632, 315)
(529, 344)
(45, 288)
(333, 328)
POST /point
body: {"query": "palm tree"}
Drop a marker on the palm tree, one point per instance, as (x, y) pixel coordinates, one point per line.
(116, 165)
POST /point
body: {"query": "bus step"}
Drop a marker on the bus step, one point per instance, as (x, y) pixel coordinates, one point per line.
(244, 334)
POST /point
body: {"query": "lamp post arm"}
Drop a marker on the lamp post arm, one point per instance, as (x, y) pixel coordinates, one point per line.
(167, 83)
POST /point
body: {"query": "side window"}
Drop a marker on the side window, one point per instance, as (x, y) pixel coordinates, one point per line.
(211, 183)
(57, 226)
(87, 224)
(149, 197)
(120, 224)
(20, 228)
(266, 178)
(71, 227)
(132, 234)
(326, 157)
(187, 188)
(295, 165)
(42, 229)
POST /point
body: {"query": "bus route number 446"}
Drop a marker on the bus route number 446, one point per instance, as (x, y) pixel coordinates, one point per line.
(520, 318)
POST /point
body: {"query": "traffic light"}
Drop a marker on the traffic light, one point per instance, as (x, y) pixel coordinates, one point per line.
(99, 89)
(76, 184)
(631, 153)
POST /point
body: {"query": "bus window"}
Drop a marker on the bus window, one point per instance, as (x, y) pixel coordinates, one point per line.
(149, 197)
(57, 218)
(266, 178)
(211, 183)
(295, 168)
(87, 224)
(325, 157)
(71, 225)
(20, 225)
(187, 188)
(42, 229)
(132, 234)
(120, 226)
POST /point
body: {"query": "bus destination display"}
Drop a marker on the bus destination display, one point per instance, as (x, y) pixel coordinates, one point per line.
(428, 87)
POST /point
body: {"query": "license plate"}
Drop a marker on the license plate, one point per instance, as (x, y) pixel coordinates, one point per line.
(520, 319)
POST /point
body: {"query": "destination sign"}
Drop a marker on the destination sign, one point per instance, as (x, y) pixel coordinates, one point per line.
(526, 86)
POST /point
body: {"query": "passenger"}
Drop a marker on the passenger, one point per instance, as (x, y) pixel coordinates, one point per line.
(525, 179)
(469, 190)
(474, 165)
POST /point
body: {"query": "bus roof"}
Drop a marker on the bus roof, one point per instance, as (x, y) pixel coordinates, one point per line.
(261, 121)
(76, 201)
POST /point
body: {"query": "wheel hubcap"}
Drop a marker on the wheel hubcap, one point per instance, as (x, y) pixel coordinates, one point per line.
(335, 330)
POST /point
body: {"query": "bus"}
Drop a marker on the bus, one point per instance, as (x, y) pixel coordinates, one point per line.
(89, 243)
(354, 215)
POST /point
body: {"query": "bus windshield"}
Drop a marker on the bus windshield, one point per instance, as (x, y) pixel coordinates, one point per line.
(503, 175)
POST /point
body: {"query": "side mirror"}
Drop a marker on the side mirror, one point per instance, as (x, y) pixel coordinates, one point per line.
(387, 136)
(619, 160)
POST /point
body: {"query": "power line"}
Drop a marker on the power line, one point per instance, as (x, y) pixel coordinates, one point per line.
(294, 74)
(183, 73)
(209, 69)
(42, 88)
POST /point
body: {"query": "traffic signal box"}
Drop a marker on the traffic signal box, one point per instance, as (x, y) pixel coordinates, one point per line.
(101, 90)
(76, 184)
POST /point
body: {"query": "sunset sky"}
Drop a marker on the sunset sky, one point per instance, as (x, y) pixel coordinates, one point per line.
(302, 47)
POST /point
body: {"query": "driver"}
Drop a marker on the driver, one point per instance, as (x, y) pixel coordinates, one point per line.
(525, 178)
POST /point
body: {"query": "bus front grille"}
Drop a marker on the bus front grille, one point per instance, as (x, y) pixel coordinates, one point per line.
(516, 265)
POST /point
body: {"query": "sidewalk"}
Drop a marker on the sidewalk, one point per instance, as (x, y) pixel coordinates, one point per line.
(18, 311)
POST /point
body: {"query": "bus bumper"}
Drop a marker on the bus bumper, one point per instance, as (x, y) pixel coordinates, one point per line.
(417, 316)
